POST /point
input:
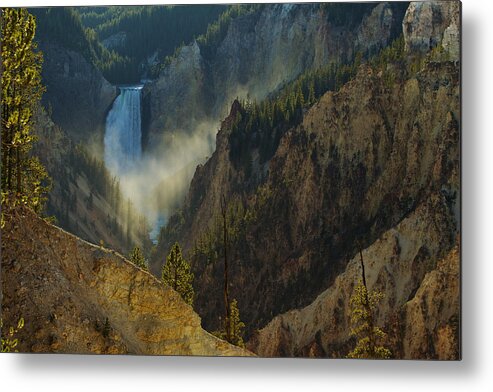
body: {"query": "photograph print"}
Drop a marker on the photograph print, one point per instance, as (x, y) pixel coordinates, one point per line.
(257, 180)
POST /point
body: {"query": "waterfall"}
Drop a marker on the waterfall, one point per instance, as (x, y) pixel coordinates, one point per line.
(123, 153)
(122, 139)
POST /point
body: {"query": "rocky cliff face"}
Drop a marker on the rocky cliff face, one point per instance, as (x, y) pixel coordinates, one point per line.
(432, 23)
(79, 298)
(420, 310)
(259, 53)
(77, 96)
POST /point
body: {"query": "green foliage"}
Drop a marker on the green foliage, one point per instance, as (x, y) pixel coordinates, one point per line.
(391, 61)
(10, 342)
(63, 26)
(83, 28)
(217, 31)
(370, 336)
(346, 14)
(92, 17)
(209, 247)
(239, 217)
(137, 258)
(23, 177)
(261, 125)
(233, 328)
(177, 274)
(144, 28)
(394, 53)
(271, 118)
(235, 325)
(439, 54)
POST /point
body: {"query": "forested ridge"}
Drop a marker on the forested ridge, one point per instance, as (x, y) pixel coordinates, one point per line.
(62, 25)
(261, 125)
(152, 30)
(147, 30)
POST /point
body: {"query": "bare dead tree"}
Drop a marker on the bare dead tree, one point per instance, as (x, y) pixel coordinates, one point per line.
(225, 241)
(366, 301)
(362, 268)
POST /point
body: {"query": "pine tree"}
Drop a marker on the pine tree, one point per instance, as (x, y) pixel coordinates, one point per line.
(311, 93)
(138, 258)
(22, 174)
(177, 274)
(9, 341)
(364, 303)
(235, 325)
(225, 281)
(232, 326)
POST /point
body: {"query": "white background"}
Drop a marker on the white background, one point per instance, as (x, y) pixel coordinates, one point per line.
(473, 373)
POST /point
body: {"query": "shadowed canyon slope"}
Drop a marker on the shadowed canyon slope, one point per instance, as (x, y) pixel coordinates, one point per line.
(70, 127)
(420, 311)
(66, 289)
(77, 94)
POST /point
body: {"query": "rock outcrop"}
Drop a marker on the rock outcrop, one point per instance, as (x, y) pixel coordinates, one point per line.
(378, 27)
(432, 318)
(79, 298)
(428, 24)
(260, 52)
(77, 95)
(420, 310)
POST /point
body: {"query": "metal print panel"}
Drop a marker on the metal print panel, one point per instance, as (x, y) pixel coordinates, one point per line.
(273, 180)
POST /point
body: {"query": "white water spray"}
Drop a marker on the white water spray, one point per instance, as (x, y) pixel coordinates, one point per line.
(155, 183)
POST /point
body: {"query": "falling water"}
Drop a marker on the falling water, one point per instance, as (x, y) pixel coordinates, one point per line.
(122, 139)
(123, 151)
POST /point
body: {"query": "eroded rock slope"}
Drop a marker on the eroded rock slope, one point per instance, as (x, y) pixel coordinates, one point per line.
(79, 298)
(420, 310)
(77, 95)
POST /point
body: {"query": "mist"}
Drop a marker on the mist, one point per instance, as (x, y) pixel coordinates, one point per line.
(157, 184)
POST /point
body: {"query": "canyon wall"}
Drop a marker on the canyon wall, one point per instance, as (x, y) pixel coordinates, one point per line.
(77, 96)
(260, 52)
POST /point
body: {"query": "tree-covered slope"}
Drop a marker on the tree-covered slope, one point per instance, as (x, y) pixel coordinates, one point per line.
(143, 31)
(119, 40)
